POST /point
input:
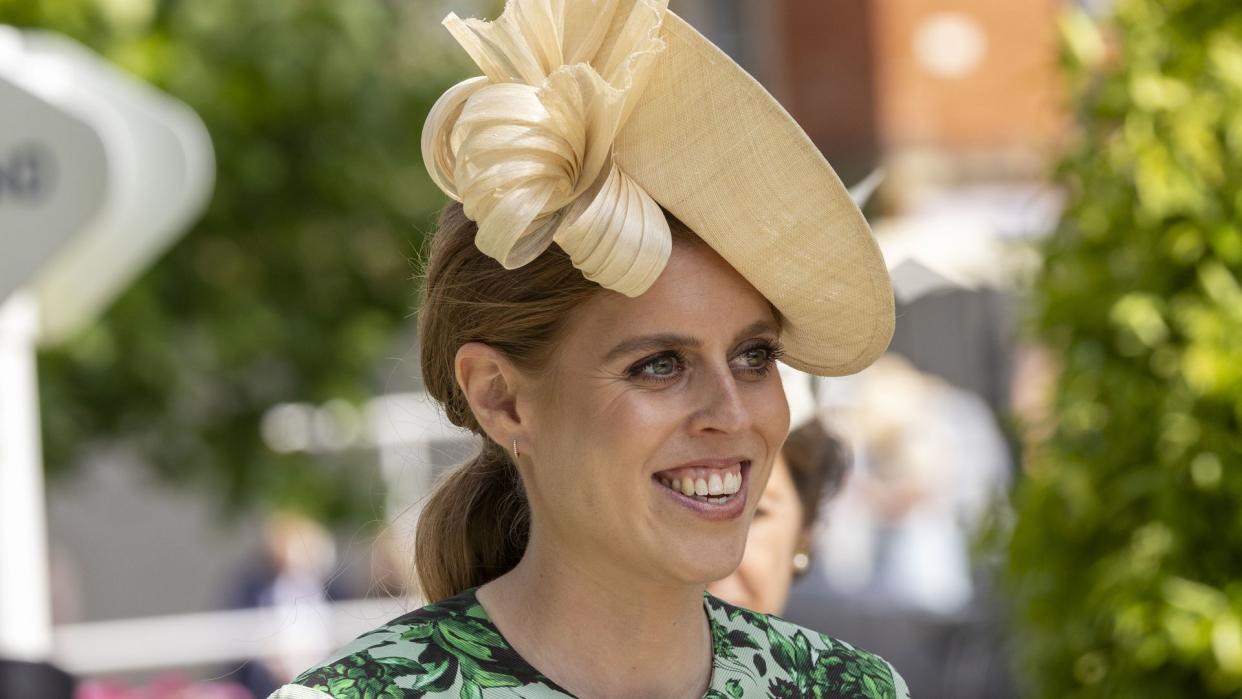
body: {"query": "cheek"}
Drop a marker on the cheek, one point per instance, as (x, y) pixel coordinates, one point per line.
(595, 441)
(771, 412)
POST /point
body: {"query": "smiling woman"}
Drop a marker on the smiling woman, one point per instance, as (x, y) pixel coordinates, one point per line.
(624, 380)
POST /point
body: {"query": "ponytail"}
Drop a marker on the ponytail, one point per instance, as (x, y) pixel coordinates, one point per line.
(475, 526)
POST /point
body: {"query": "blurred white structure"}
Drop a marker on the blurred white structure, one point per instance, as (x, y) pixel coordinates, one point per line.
(191, 640)
(930, 465)
(967, 238)
(99, 174)
(25, 621)
(102, 174)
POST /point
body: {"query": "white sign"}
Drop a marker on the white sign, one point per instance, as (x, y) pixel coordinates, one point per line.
(53, 173)
(99, 174)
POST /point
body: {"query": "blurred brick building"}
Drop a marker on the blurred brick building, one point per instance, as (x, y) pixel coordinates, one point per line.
(939, 89)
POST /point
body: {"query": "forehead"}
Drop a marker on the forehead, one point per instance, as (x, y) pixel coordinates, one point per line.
(698, 294)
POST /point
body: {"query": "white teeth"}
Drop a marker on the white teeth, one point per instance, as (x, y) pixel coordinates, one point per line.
(717, 488)
(687, 486)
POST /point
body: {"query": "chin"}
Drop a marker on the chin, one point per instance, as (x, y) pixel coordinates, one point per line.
(710, 563)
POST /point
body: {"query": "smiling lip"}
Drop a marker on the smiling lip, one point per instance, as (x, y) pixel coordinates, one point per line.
(731, 509)
(725, 462)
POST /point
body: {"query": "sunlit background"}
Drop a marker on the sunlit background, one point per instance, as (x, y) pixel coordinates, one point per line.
(1047, 466)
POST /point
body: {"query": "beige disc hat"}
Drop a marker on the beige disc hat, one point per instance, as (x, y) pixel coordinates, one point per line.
(592, 114)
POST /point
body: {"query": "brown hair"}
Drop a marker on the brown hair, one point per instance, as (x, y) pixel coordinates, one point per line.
(818, 462)
(476, 523)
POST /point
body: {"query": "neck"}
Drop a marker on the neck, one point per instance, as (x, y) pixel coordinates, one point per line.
(597, 629)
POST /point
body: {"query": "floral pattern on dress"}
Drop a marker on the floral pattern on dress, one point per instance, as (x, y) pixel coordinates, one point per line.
(452, 649)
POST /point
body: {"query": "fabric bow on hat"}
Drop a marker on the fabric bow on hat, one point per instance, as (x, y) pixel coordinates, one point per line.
(527, 148)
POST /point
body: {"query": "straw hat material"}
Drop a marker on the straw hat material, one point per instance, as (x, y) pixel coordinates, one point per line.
(593, 114)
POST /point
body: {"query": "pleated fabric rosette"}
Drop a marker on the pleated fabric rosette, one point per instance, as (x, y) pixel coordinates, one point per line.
(592, 114)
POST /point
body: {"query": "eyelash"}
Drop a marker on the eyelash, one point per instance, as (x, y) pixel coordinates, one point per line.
(773, 352)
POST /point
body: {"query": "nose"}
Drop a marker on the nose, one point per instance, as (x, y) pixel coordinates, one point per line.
(723, 408)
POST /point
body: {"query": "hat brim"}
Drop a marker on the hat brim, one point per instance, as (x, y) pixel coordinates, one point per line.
(750, 182)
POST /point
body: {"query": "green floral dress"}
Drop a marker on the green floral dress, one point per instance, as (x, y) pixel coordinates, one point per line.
(452, 649)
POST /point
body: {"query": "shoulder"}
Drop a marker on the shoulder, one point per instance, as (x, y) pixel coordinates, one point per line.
(376, 662)
(796, 661)
(444, 649)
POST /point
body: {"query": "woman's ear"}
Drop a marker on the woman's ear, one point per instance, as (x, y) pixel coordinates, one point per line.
(489, 381)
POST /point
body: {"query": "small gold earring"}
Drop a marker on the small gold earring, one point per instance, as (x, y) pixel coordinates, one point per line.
(801, 562)
(516, 455)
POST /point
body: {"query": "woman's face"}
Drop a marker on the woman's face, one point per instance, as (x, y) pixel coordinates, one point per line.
(645, 400)
(763, 579)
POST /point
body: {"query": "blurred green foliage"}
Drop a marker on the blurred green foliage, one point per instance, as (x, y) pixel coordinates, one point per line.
(297, 283)
(1127, 556)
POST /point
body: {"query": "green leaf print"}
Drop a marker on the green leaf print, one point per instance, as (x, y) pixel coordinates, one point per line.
(451, 649)
(341, 685)
(725, 642)
(858, 675)
(430, 675)
(487, 679)
(420, 632)
(803, 650)
(796, 663)
(784, 689)
(761, 665)
(792, 656)
(454, 642)
(467, 638)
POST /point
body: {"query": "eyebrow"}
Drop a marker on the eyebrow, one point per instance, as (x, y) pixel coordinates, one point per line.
(665, 340)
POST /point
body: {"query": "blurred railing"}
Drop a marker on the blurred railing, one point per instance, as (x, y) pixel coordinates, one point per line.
(194, 640)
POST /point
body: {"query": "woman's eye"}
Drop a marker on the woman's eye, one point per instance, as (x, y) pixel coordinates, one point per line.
(664, 367)
(759, 359)
(756, 357)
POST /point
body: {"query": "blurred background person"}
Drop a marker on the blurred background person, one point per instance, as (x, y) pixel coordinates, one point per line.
(896, 564)
(810, 469)
(932, 463)
(291, 576)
